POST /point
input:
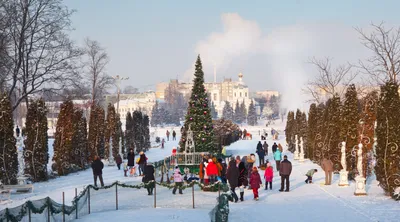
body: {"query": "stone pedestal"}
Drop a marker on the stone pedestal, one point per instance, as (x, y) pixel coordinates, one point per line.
(22, 180)
(360, 186)
(343, 178)
(296, 155)
(301, 158)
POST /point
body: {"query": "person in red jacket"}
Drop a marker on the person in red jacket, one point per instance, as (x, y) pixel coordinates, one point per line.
(268, 176)
(212, 171)
(255, 181)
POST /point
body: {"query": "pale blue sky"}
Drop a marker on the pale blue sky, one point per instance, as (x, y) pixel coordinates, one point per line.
(153, 41)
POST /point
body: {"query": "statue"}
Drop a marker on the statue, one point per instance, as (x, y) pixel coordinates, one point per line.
(359, 160)
(296, 152)
(301, 158)
(360, 180)
(343, 178)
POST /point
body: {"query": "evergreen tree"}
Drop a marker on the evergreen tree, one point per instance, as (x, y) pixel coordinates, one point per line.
(332, 140)
(243, 112)
(110, 129)
(129, 136)
(388, 138)
(349, 126)
(8, 152)
(199, 115)
(146, 132)
(252, 117)
(79, 154)
(297, 128)
(96, 132)
(227, 112)
(311, 131)
(155, 115)
(321, 133)
(289, 130)
(63, 138)
(237, 116)
(214, 112)
(116, 136)
(122, 133)
(303, 131)
(367, 130)
(137, 130)
(36, 143)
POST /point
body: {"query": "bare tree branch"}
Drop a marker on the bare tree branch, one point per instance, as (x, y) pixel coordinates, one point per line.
(329, 81)
(384, 64)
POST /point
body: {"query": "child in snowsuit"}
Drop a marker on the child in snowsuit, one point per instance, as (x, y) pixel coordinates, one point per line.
(310, 174)
(255, 181)
(178, 180)
(268, 176)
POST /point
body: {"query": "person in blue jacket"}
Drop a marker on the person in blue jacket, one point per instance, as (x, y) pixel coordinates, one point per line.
(278, 158)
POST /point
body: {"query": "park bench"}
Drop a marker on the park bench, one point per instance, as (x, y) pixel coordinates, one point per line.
(19, 188)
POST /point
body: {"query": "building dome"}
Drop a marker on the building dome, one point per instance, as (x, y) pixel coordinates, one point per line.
(240, 75)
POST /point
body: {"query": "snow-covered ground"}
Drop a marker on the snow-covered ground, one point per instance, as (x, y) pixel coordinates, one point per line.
(304, 202)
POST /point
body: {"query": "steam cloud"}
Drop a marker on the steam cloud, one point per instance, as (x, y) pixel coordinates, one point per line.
(282, 54)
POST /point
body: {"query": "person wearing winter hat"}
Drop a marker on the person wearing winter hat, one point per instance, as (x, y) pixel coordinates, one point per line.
(177, 180)
(255, 181)
(310, 174)
(212, 171)
(142, 162)
(268, 176)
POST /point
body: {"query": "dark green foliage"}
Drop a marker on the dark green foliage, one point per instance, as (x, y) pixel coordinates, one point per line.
(252, 117)
(332, 141)
(122, 133)
(116, 136)
(238, 115)
(214, 112)
(96, 132)
(321, 131)
(387, 167)
(110, 130)
(146, 132)
(311, 131)
(8, 152)
(227, 112)
(349, 126)
(63, 138)
(36, 143)
(129, 136)
(243, 112)
(289, 131)
(155, 116)
(137, 130)
(199, 115)
(79, 155)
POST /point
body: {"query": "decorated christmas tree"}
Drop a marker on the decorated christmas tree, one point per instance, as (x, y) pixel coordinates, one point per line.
(388, 138)
(36, 143)
(63, 138)
(8, 151)
(199, 115)
(252, 117)
(349, 126)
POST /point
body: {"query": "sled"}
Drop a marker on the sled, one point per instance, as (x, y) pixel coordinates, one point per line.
(132, 172)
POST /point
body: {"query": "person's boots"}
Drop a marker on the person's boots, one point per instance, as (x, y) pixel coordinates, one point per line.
(241, 196)
(266, 186)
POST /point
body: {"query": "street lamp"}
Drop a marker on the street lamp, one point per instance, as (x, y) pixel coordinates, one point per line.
(118, 79)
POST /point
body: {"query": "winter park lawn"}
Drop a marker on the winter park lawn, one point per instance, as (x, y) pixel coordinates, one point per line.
(304, 202)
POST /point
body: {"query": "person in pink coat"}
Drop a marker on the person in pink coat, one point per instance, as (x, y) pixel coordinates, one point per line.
(255, 181)
(268, 176)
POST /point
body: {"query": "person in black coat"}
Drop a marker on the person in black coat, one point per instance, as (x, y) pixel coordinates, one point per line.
(142, 162)
(274, 148)
(131, 159)
(118, 160)
(232, 175)
(149, 176)
(97, 167)
(243, 182)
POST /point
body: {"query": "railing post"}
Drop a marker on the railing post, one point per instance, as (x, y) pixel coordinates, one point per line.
(29, 214)
(88, 199)
(193, 194)
(155, 194)
(219, 190)
(48, 209)
(63, 206)
(116, 196)
(76, 203)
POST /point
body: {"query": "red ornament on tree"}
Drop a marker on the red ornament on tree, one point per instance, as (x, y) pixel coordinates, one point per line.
(205, 112)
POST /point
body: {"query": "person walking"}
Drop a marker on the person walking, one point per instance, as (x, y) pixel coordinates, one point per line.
(178, 180)
(162, 143)
(260, 152)
(148, 177)
(327, 166)
(274, 148)
(284, 172)
(167, 134)
(173, 135)
(255, 181)
(243, 182)
(265, 147)
(131, 159)
(310, 174)
(268, 176)
(232, 175)
(142, 162)
(278, 158)
(97, 167)
(118, 160)
(212, 171)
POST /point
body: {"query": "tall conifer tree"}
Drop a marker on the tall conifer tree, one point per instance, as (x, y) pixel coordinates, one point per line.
(311, 131)
(199, 115)
(227, 112)
(252, 117)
